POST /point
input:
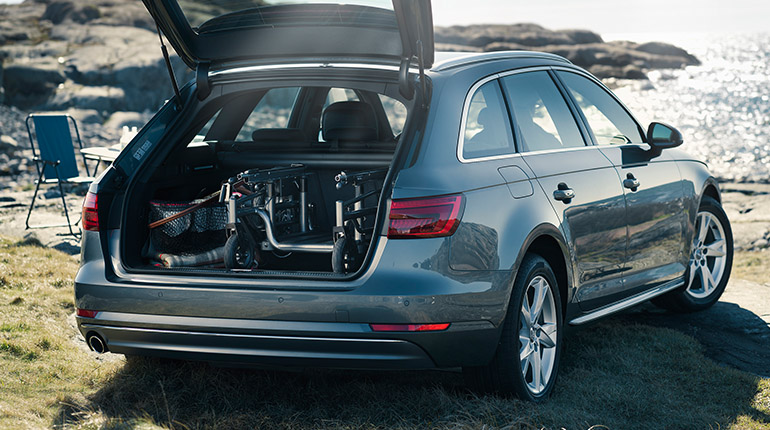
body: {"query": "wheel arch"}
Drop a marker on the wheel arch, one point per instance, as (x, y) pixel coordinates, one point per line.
(547, 241)
(711, 189)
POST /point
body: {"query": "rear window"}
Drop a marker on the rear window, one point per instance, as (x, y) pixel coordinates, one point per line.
(212, 15)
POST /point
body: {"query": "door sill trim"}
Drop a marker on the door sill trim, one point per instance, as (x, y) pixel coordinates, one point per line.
(629, 302)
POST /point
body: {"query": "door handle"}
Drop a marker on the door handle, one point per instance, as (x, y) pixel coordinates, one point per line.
(631, 182)
(564, 193)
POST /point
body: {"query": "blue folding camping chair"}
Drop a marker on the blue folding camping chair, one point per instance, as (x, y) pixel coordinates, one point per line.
(54, 157)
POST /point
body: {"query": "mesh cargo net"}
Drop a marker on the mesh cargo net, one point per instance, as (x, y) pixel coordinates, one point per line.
(198, 231)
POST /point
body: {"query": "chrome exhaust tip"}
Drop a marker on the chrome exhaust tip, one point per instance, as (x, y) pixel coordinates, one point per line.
(96, 343)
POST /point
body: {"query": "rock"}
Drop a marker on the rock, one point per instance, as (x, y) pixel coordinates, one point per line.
(31, 84)
(2, 90)
(100, 98)
(761, 243)
(59, 11)
(602, 71)
(504, 46)
(8, 145)
(450, 47)
(31, 238)
(582, 36)
(666, 49)
(86, 116)
(52, 193)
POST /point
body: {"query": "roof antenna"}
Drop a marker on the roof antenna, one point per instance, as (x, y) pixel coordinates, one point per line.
(170, 69)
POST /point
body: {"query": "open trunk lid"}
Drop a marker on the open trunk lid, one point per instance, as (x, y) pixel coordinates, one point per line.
(221, 31)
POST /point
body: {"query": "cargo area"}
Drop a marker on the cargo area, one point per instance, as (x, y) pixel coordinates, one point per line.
(282, 180)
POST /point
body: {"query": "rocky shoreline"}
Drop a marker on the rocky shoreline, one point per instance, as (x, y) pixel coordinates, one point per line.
(615, 59)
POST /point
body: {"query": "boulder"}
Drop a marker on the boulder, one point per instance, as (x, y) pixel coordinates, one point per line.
(86, 116)
(582, 36)
(100, 98)
(668, 50)
(63, 10)
(30, 84)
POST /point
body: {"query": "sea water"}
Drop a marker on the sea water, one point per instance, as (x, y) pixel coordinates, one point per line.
(722, 107)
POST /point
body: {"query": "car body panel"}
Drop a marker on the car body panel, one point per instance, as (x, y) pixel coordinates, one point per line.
(594, 222)
(655, 216)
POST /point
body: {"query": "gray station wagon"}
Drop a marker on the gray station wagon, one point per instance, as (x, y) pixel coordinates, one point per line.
(330, 192)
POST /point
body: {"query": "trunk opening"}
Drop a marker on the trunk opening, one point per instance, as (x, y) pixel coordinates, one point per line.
(283, 181)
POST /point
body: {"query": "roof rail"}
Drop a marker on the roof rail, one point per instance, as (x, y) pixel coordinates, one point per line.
(449, 60)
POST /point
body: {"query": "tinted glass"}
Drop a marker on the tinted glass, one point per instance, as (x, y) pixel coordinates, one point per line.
(396, 113)
(272, 111)
(544, 120)
(487, 127)
(610, 123)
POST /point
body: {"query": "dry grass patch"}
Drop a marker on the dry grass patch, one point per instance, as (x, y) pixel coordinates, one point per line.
(617, 373)
(752, 265)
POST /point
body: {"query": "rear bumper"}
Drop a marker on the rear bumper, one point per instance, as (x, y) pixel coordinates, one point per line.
(290, 343)
(310, 323)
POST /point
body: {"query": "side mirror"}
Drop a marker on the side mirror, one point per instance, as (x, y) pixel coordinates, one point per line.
(662, 136)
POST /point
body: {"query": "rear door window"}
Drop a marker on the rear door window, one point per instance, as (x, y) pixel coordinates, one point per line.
(487, 130)
(541, 113)
(608, 120)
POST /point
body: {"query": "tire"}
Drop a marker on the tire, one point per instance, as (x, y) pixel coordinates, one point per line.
(710, 262)
(237, 254)
(342, 260)
(508, 373)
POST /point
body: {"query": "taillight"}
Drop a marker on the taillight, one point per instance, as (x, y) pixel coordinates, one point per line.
(426, 217)
(90, 213)
(87, 313)
(409, 327)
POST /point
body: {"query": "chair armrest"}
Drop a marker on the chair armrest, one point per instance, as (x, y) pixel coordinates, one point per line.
(39, 160)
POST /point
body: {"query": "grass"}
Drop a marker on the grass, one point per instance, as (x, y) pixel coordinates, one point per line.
(752, 265)
(617, 374)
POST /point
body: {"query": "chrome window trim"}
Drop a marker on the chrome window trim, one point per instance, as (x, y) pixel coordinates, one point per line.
(466, 107)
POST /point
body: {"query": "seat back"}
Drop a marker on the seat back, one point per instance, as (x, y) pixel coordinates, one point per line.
(350, 121)
(54, 143)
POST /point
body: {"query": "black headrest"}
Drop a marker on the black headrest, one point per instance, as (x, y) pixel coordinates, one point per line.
(278, 135)
(349, 121)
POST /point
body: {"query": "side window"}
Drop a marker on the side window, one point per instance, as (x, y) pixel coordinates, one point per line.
(610, 123)
(541, 113)
(200, 136)
(487, 127)
(396, 113)
(272, 111)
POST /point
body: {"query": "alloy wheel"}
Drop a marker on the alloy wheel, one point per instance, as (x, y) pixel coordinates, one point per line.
(708, 256)
(537, 335)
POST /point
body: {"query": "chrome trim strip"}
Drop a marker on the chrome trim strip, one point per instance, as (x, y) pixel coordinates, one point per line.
(292, 66)
(629, 302)
(235, 335)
